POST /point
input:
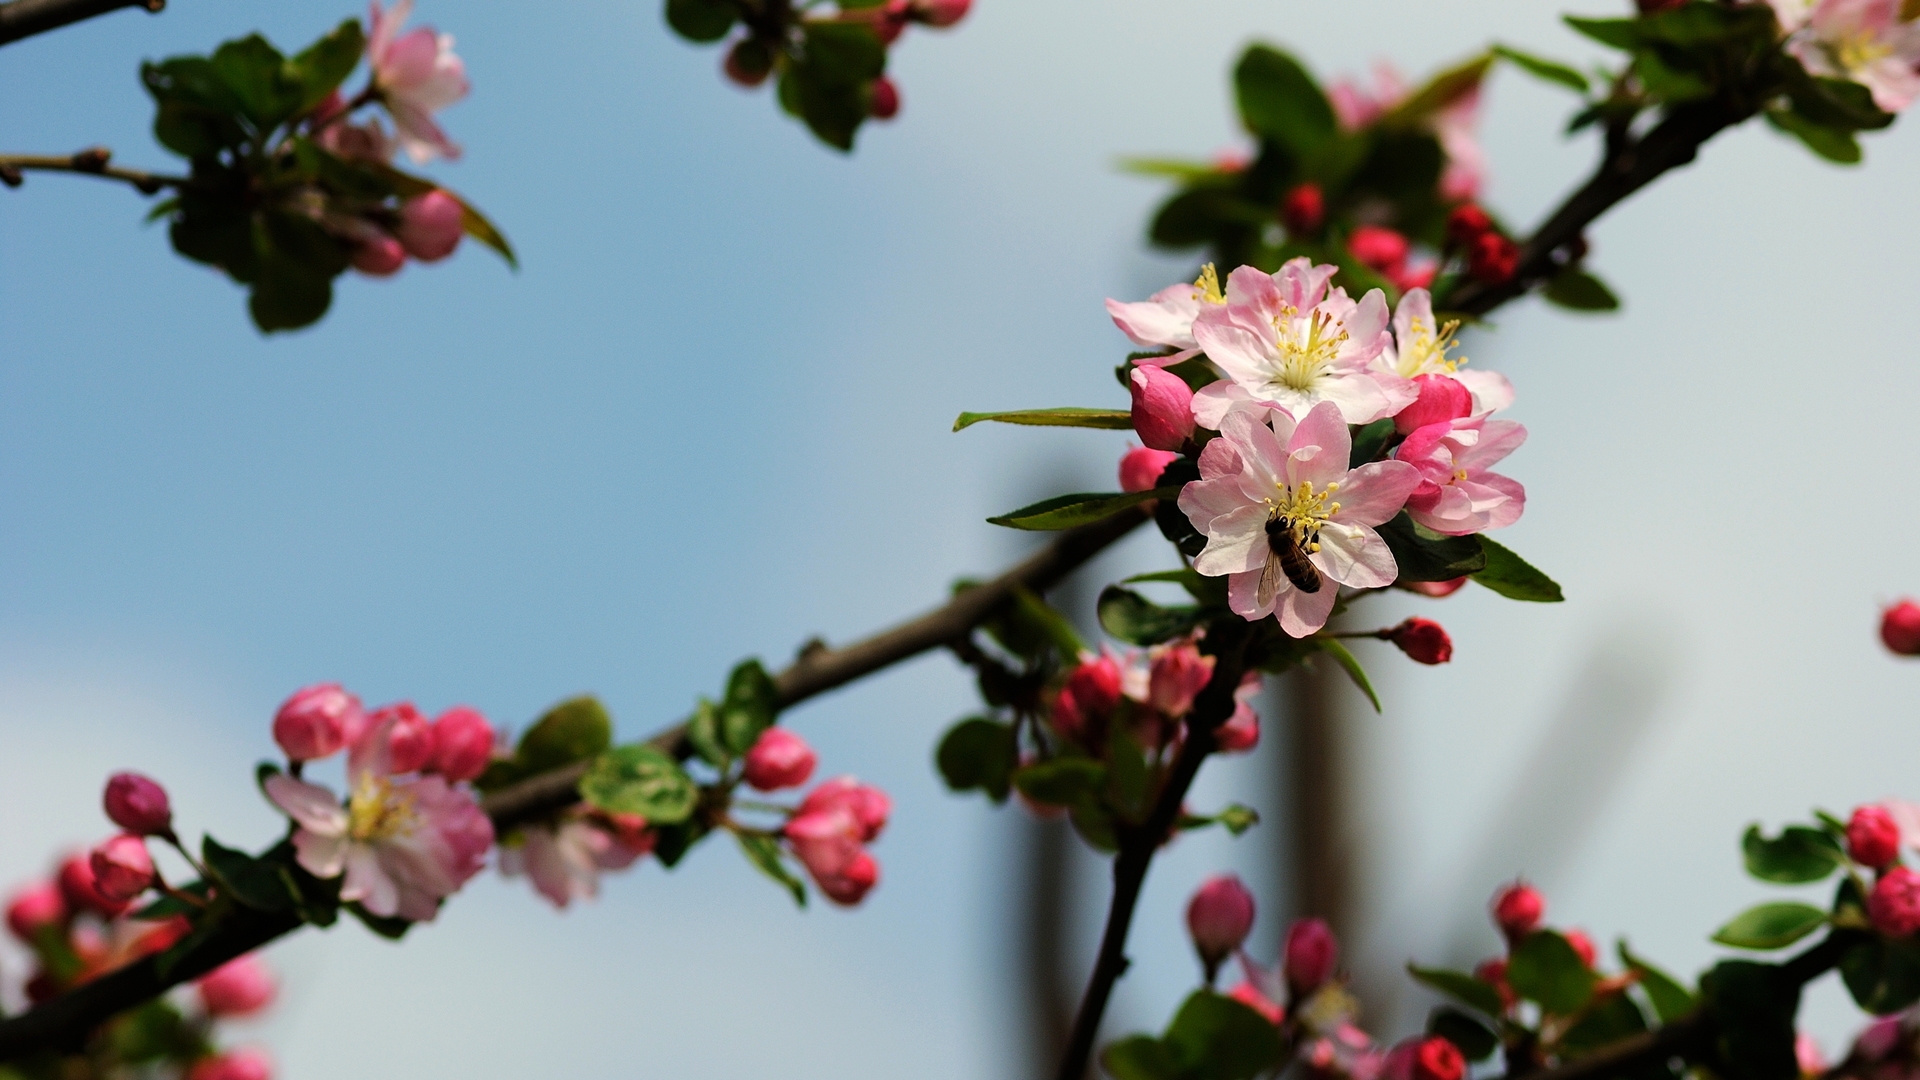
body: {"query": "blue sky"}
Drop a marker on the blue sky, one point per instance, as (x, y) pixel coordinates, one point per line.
(708, 419)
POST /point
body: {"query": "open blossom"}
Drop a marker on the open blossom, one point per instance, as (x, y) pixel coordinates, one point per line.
(1167, 317)
(403, 843)
(417, 75)
(1284, 340)
(1457, 493)
(1292, 489)
(1241, 732)
(828, 834)
(564, 860)
(1419, 347)
(1861, 40)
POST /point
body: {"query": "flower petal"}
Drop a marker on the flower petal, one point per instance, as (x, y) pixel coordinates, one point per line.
(312, 806)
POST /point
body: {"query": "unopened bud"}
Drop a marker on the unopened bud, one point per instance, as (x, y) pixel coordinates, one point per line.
(122, 867)
(400, 733)
(749, 62)
(316, 722)
(1435, 589)
(1582, 946)
(1141, 467)
(1808, 1055)
(1303, 210)
(82, 891)
(883, 101)
(1466, 223)
(138, 805)
(237, 988)
(1894, 903)
(1423, 639)
(1873, 837)
(1442, 399)
(34, 909)
(234, 1065)
(1900, 628)
(1438, 1059)
(1379, 249)
(462, 744)
(779, 759)
(431, 225)
(1517, 910)
(1219, 917)
(1162, 408)
(939, 12)
(1310, 954)
(379, 256)
(1492, 259)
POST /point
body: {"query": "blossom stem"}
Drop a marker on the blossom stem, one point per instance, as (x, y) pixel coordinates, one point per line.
(90, 162)
(25, 18)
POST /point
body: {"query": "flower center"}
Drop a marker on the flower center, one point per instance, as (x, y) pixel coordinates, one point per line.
(1860, 50)
(377, 811)
(1426, 352)
(1306, 347)
(1303, 510)
(1206, 287)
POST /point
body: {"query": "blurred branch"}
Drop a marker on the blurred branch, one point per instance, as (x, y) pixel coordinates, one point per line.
(89, 162)
(25, 18)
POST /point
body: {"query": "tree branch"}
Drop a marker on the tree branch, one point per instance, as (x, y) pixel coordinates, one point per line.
(65, 1022)
(25, 18)
(89, 162)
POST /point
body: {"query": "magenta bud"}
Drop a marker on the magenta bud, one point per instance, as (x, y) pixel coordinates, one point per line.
(34, 909)
(1162, 408)
(1517, 910)
(1141, 467)
(1900, 628)
(1304, 209)
(403, 734)
(462, 744)
(431, 225)
(1380, 249)
(779, 759)
(379, 256)
(122, 867)
(1442, 399)
(238, 987)
(1309, 957)
(138, 805)
(82, 891)
(1219, 917)
(939, 12)
(883, 103)
(1873, 837)
(316, 722)
(233, 1065)
(1894, 903)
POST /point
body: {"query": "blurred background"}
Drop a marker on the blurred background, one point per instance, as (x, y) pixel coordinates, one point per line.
(709, 419)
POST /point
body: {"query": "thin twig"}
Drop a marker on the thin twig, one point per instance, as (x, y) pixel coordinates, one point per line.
(90, 162)
(25, 18)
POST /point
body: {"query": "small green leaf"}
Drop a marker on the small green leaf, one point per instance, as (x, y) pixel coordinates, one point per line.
(1029, 626)
(751, 706)
(1751, 1008)
(1460, 986)
(1543, 69)
(1577, 290)
(1797, 856)
(1068, 511)
(1543, 968)
(978, 753)
(1138, 621)
(322, 66)
(392, 928)
(703, 734)
(1351, 665)
(1237, 819)
(256, 73)
(640, 779)
(1062, 782)
(1513, 577)
(1109, 419)
(1218, 1038)
(1882, 974)
(1445, 89)
(1670, 999)
(571, 731)
(255, 883)
(1471, 1036)
(1771, 926)
(764, 853)
(700, 20)
(1280, 101)
(1129, 774)
(1834, 144)
(1140, 1057)
(1619, 33)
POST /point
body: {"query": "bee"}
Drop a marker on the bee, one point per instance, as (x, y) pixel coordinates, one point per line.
(1286, 557)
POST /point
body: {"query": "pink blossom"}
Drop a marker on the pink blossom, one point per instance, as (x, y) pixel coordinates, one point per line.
(417, 75)
(317, 721)
(334, 132)
(35, 908)
(1092, 689)
(827, 834)
(431, 225)
(1140, 467)
(1177, 674)
(1293, 483)
(1458, 494)
(779, 759)
(138, 805)
(238, 987)
(1517, 910)
(1808, 1055)
(81, 889)
(1167, 317)
(233, 1065)
(564, 860)
(1219, 916)
(1285, 341)
(396, 739)
(462, 744)
(122, 867)
(1241, 732)
(1162, 408)
(1380, 249)
(1865, 41)
(1304, 209)
(1419, 347)
(1356, 106)
(402, 844)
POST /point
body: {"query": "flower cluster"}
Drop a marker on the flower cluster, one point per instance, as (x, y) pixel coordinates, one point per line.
(1869, 42)
(829, 832)
(1147, 693)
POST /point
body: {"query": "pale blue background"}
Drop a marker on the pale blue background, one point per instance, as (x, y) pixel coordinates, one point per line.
(709, 419)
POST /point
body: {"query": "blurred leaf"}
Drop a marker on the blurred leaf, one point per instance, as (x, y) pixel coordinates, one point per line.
(1752, 1008)
(298, 260)
(1140, 1057)
(640, 779)
(1833, 144)
(1444, 89)
(1062, 781)
(322, 66)
(751, 706)
(255, 883)
(764, 853)
(1577, 290)
(257, 74)
(1882, 974)
(1771, 926)
(700, 20)
(1110, 419)
(1513, 577)
(1351, 665)
(1184, 171)
(1607, 1020)
(1798, 855)
(1472, 1037)
(1280, 101)
(1539, 68)
(979, 753)
(1461, 987)
(1138, 621)
(1543, 968)
(1207, 590)
(571, 731)
(1425, 555)
(1067, 511)
(1217, 1038)
(392, 928)
(1671, 1001)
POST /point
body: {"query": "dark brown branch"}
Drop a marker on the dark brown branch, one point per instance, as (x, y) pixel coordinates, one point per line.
(64, 1022)
(90, 162)
(25, 18)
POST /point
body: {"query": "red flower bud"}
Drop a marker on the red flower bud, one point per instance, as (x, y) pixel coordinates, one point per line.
(1435, 589)
(1873, 837)
(1900, 628)
(1466, 223)
(83, 893)
(1141, 467)
(34, 909)
(237, 988)
(1517, 910)
(779, 759)
(1379, 249)
(1304, 210)
(431, 225)
(237, 1065)
(884, 100)
(1309, 957)
(122, 867)
(1438, 1059)
(1162, 408)
(749, 62)
(1582, 946)
(1894, 904)
(1492, 259)
(462, 744)
(890, 20)
(1423, 640)
(379, 256)
(1442, 398)
(138, 805)
(939, 12)
(402, 734)
(1218, 917)
(316, 722)
(1091, 692)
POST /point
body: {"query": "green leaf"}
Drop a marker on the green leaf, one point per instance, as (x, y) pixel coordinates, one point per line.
(257, 74)
(1460, 986)
(1671, 1001)
(1831, 143)
(297, 262)
(1471, 1036)
(1028, 626)
(255, 883)
(1062, 781)
(832, 110)
(674, 841)
(1882, 974)
(1068, 511)
(1607, 1020)
(1798, 855)
(764, 853)
(1129, 774)
(1280, 101)
(1548, 70)
(322, 66)
(1771, 926)
(844, 52)
(640, 779)
(978, 753)
(1619, 33)
(1138, 621)
(751, 706)
(1351, 665)
(1752, 1009)
(1070, 416)
(1369, 442)
(1577, 290)
(1442, 90)
(1543, 968)
(1184, 171)
(392, 928)
(1513, 577)
(1838, 103)
(700, 20)
(1237, 819)
(1218, 1038)
(1139, 1057)
(1425, 555)
(571, 731)
(703, 734)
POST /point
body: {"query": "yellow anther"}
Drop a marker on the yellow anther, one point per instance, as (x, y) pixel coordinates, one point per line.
(1207, 286)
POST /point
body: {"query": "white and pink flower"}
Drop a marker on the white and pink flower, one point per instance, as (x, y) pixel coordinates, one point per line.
(1861, 40)
(1166, 318)
(1419, 347)
(1458, 492)
(1292, 484)
(416, 75)
(1285, 341)
(564, 859)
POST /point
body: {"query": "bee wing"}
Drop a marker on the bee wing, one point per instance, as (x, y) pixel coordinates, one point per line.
(1271, 578)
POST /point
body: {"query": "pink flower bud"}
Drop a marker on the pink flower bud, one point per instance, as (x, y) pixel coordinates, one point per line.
(1873, 837)
(1436, 589)
(1878, 1040)
(122, 867)
(234, 1065)
(138, 805)
(238, 987)
(462, 744)
(1517, 910)
(1219, 916)
(1091, 691)
(1492, 259)
(1140, 469)
(431, 225)
(1582, 946)
(1249, 995)
(397, 740)
(1466, 223)
(939, 12)
(1309, 957)
(1900, 628)
(884, 102)
(1162, 408)
(749, 62)
(1381, 250)
(1441, 399)
(35, 908)
(853, 882)
(82, 891)
(1423, 639)
(316, 722)
(1304, 210)
(1438, 1059)
(1808, 1055)
(890, 20)
(779, 759)
(1894, 904)
(1177, 675)
(379, 256)
(868, 805)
